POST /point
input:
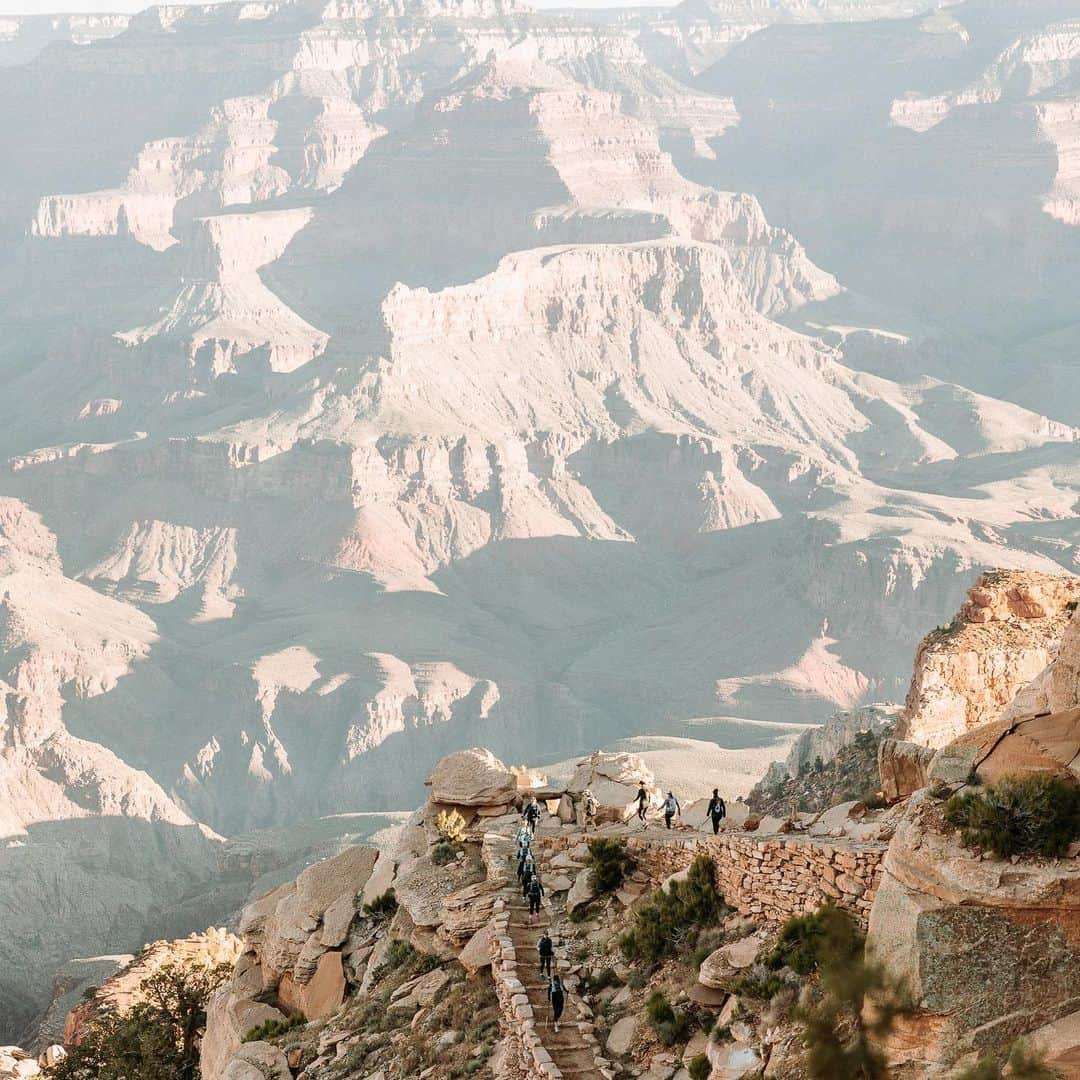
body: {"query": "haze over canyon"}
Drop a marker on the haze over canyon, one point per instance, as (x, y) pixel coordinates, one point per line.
(383, 378)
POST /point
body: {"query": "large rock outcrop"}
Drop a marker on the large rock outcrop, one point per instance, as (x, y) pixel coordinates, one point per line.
(614, 779)
(292, 959)
(988, 949)
(969, 672)
(473, 777)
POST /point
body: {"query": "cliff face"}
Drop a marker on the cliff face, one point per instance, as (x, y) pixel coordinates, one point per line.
(969, 673)
(384, 378)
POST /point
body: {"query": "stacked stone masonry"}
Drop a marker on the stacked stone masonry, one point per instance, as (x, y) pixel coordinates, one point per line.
(767, 877)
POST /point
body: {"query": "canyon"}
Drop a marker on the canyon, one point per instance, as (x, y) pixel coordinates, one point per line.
(385, 378)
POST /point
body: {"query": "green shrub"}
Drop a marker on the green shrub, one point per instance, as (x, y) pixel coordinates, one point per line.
(609, 863)
(873, 800)
(671, 1025)
(383, 906)
(443, 852)
(760, 982)
(699, 1067)
(1030, 815)
(270, 1029)
(803, 937)
(669, 923)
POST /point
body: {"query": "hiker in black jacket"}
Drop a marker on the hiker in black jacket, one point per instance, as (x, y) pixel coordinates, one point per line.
(546, 948)
(557, 997)
(642, 804)
(717, 810)
(536, 894)
(531, 813)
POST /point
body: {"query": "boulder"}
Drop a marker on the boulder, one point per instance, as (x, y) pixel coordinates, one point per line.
(473, 777)
(902, 768)
(732, 1061)
(715, 971)
(51, 1055)
(228, 1019)
(477, 952)
(257, 1061)
(621, 1036)
(613, 779)
(581, 892)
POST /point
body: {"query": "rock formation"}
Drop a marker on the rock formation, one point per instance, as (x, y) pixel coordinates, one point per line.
(969, 672)
(962, 932)
(121, 990)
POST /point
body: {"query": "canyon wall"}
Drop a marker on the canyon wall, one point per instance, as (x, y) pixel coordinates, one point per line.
(384, 378)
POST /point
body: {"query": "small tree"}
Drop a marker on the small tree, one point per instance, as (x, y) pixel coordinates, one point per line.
(608, 863)
(842, 1036)
(157, 1039)
(670, 922)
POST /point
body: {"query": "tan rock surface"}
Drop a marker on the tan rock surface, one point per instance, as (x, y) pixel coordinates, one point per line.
(473, 777)
(969, 673)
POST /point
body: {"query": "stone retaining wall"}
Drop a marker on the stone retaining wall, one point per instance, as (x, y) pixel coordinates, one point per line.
(766, 877)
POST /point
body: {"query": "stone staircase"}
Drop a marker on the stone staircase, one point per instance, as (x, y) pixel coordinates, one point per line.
(572, 1053)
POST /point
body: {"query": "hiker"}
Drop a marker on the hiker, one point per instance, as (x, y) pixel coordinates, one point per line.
(536, 894)
(524, 854)
(546, 948)
(528, 872)
(717, 810)
(642, 804)
(532, 815)
(557, 997)
(590, 808)
(671, 808)
(523, 837)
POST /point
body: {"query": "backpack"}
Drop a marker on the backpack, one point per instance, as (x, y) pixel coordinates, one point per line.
(590, 805)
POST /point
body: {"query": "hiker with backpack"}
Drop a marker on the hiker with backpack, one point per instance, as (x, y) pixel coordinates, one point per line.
(546, 948)
(524, 855)
(590, 808)
(671, 808)
(717, 811)
(531, 813)
(557, 996)
(528, 872)
(535, 894)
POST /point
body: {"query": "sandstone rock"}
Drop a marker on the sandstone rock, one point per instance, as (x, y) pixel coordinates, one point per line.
(613, 779)
(902, 768)
(472, 778)
(477, 953)
(980, 944)
(228, 1020)
(968, 673)
(581, 892)
(257, 1061)
(621, 1036)
(1060, 1042)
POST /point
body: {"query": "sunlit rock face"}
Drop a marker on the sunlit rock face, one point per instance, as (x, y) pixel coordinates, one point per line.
(382, 380)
